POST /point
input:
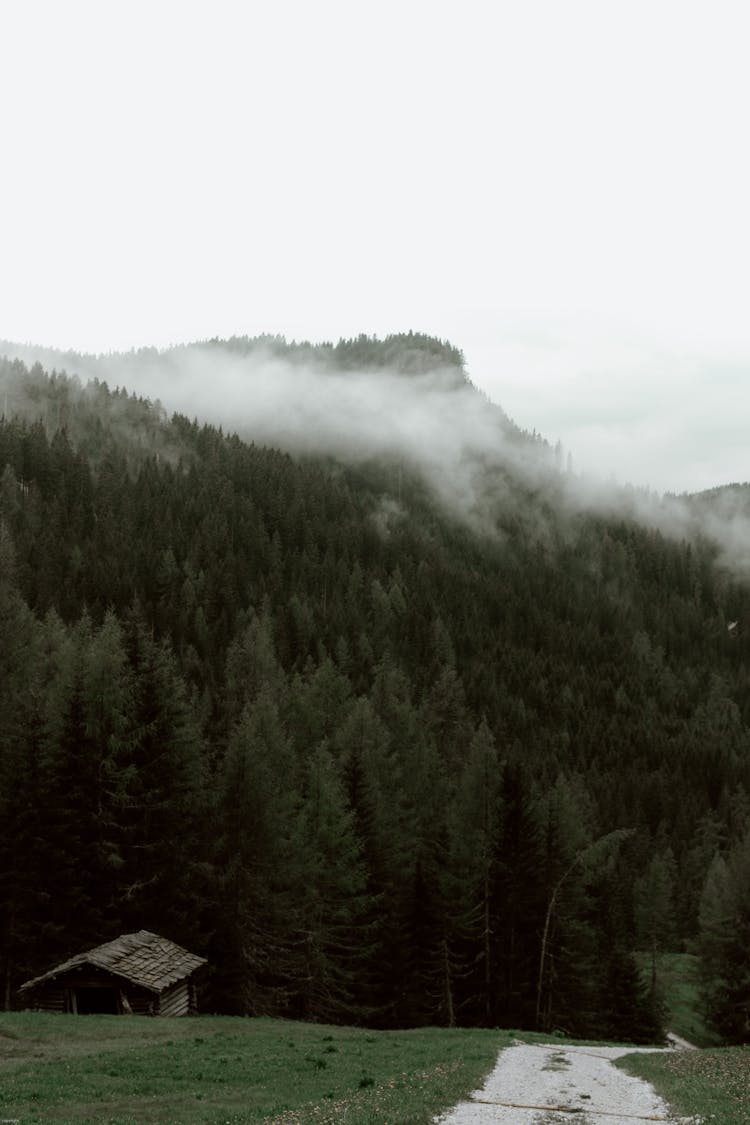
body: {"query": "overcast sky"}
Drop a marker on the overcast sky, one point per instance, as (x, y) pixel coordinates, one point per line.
(560, 188)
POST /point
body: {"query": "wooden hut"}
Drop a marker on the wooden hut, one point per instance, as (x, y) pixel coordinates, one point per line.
(140, 973)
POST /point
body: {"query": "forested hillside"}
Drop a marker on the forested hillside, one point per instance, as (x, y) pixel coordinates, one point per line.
(380, 760)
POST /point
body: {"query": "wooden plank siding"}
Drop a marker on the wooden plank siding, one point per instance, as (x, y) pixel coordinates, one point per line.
(69, 991)
(175, 1001)
(52, 1000)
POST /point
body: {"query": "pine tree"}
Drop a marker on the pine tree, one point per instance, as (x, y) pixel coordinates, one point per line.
(518, 902)
(724, 940)
(654, 907)
(261, 865)
(333, 923)
(474, 823)
(76, 810)
(371, 773)
(18, 783)
(163, 824)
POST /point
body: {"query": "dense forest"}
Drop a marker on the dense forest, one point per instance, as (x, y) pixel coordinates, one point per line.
(378, 760)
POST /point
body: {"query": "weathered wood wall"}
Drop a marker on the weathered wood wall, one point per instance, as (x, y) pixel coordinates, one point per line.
(60, 995)
(75, 991)
(175, 1001)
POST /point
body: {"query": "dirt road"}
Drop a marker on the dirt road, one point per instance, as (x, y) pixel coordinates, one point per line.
(560, 1085)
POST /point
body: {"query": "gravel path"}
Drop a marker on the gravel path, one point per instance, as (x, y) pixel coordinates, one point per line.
(555, 1085)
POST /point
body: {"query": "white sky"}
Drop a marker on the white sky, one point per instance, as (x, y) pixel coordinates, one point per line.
(560, 188)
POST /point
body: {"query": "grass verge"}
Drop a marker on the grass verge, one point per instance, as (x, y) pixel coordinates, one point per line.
(713, 1084)
(122, 1071)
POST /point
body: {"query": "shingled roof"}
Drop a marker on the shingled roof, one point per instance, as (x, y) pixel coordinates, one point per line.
(142, 958)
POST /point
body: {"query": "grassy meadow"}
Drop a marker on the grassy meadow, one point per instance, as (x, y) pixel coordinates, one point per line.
(119, 1071)
(712, 1084)
(111, 1070)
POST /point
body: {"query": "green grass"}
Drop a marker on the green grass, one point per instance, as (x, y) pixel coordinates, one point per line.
(677, 981)
(123, 1070)
(713, 1084)
(112, 1070)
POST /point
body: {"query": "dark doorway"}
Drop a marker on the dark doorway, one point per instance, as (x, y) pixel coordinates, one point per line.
(97, 1001)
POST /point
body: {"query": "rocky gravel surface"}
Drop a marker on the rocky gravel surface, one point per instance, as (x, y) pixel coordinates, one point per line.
(552, 1084)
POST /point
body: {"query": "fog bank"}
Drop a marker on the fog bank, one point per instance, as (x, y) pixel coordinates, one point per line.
(435, 421)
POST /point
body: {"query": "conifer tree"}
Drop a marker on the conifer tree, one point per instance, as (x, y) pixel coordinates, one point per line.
(260, 864)
(654, 907)
(164, 817)
(19, 794)
(333, 917)
(371, 773)
(724, 940)
(76, 810)
(518, 902)
(474, 823)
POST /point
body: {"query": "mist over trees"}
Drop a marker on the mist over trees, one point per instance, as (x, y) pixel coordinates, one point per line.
(379, 762)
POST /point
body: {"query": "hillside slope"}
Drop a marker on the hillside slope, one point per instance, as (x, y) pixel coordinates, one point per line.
(349, 725)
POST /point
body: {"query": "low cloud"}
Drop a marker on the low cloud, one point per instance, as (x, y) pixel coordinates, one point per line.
(662, 412)
(435, 421)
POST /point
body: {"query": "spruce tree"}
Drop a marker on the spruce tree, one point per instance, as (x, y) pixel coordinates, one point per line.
(261, 866)
(164, 818)
(333, 919)
(724, 940)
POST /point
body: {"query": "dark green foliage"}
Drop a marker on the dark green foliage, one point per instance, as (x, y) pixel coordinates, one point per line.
(724, 941)
(293, 713)
(19, 750)
(163, 815)
(655, 919)
(627, 1009)
(258, 865)
(409, 353)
